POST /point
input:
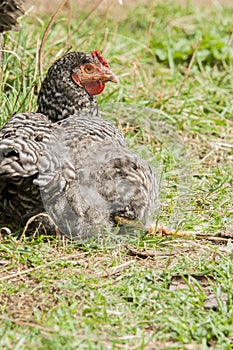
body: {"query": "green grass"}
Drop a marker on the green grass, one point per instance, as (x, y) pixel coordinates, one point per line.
(176, 112)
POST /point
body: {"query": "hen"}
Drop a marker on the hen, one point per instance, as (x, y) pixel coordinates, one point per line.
(68, 89)
(87, 177)
(91, 181)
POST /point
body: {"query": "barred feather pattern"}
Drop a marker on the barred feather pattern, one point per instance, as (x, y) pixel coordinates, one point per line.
(83, 191)
(21, 141)
(10, 10)
(26, 134)
(66, 160)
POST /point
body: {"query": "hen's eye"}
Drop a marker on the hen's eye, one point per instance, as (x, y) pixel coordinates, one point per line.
(88, 68)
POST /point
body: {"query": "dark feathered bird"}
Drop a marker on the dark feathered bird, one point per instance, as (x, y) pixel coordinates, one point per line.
(71, 85)
(68, 89)
(87, 177)
(10, 10)
(90, 180)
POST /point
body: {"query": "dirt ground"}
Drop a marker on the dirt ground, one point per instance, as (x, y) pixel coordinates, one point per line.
(116, 9)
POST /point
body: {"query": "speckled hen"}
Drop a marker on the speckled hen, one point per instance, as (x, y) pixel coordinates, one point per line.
(64, 92)
(66, 160)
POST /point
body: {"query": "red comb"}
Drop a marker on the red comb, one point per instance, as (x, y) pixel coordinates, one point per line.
(96, 54)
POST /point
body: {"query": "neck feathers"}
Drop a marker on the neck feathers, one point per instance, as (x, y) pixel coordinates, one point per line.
(59, 100)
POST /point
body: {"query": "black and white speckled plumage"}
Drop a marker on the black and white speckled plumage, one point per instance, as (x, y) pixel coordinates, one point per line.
(60, 96)
(65, 159)
(25, 135)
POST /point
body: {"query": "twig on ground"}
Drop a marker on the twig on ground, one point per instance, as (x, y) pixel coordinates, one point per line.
(112, 271)
(148, 253)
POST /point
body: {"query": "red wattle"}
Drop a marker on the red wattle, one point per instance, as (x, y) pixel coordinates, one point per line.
(94, 87)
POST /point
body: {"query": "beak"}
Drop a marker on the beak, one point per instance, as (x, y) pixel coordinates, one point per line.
(108, 75)
(112, 77)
